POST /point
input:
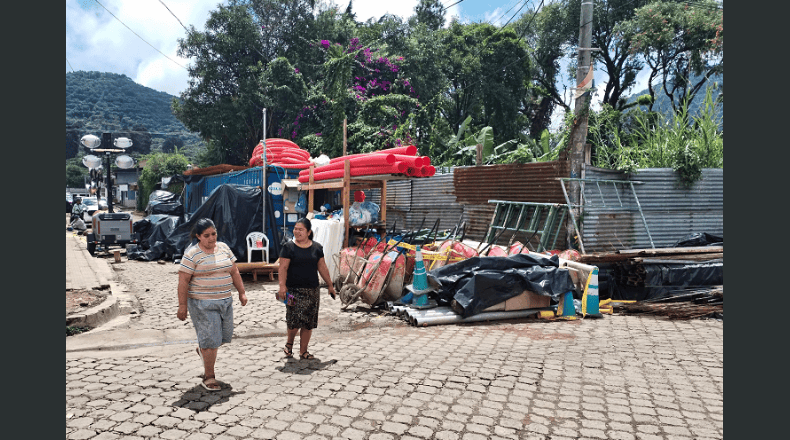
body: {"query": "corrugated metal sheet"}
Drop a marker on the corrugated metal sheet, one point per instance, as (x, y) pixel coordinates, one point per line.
(671, 212)
(411, 201)
(531, 182)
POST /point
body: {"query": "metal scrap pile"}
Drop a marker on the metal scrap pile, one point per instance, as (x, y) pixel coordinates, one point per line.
(682, 304)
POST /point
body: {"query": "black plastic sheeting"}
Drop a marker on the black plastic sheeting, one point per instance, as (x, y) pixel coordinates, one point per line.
(235, 209)
(481, 282)
(664, 277)
(700, 239)
(164, 202)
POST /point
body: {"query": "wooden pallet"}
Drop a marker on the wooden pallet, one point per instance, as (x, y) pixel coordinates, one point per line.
(260, 268)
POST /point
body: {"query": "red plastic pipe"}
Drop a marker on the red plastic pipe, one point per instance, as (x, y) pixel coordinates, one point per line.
(412, 161)
(410, 150)
(364, 160)
(396, 168)
(428, 171)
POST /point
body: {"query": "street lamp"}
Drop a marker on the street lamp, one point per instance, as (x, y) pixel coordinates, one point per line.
(92, 142)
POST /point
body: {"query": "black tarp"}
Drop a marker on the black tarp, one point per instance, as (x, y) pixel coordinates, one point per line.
(662, 277)
(235, 209)
(164, 202)
(700, 239)
(481, 282)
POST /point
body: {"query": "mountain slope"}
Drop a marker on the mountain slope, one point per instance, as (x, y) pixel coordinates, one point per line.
(99, 102)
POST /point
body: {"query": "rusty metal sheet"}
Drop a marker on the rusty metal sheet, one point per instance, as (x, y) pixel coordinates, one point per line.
(532, 182)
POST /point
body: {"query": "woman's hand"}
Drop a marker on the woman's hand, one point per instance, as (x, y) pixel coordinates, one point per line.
(243, 298)
(182, 312)
(332, 292)
(281, 293)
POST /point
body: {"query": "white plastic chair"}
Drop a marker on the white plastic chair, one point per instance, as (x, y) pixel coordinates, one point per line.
(252, 245)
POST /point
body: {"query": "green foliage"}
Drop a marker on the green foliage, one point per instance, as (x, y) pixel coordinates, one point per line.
(99, 102)
(682, 45)
(223, 101)
(158, 165)
(414, 81)
(76, 173)
(626, 141)
(75, 330)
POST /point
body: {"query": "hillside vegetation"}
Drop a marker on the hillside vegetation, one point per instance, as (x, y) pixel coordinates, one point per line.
(99, 102)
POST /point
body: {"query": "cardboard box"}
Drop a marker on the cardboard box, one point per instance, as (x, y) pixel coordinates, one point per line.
(524, 300)
(290, 194)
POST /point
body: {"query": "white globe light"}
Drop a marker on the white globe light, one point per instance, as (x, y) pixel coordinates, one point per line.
(90, 141)
(91, 161)
(123, 142)
(124, 162)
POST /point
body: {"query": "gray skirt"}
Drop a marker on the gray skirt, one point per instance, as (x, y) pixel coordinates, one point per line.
(304, 312)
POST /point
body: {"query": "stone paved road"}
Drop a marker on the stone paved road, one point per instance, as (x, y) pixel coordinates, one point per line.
(622, 377)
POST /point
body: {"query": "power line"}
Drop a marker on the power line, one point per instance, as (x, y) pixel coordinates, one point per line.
(67, 61)
(130, 29)
(174, 15)
(448, 7)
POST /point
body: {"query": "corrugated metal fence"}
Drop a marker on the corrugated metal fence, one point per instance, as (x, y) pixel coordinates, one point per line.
(670, 211)
(464, 192)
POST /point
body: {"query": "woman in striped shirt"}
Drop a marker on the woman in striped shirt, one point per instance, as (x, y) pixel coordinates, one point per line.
(207, 272)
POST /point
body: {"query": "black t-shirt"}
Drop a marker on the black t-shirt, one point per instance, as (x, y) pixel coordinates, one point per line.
(303, 268)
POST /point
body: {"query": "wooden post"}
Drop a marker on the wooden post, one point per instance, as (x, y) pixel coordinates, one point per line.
(344, 136)
(310, 195)
(479, 158)
(346, 190)
(383, 212)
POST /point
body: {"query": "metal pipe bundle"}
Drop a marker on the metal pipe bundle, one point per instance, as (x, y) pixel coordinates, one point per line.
(446, 315)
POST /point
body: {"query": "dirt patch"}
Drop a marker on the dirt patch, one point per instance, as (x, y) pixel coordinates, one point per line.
(79, 300)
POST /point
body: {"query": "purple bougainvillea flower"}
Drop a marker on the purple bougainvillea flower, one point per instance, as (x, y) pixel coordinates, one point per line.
(318, 134)
(296, 70)
(325, 43)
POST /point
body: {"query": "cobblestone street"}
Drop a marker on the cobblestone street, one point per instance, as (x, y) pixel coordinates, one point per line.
(621, 377)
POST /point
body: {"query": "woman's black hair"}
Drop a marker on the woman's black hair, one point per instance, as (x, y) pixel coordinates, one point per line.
(201, 226)
(307, 225)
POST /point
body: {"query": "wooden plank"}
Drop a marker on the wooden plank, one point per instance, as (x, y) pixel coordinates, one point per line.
(680, 250)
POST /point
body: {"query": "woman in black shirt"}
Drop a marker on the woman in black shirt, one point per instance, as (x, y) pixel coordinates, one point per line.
(301, 260)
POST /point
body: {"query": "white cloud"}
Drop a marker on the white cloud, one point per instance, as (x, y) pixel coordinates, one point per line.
(140, 41)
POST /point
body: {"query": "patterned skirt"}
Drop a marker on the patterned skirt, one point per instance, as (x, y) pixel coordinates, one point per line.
(304, 312)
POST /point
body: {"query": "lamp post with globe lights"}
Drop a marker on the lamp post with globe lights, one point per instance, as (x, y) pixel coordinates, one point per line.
(92, 143)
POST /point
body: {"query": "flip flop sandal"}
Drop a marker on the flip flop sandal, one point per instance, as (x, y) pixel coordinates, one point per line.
(214, 387)
(289, 350)
(306, 355)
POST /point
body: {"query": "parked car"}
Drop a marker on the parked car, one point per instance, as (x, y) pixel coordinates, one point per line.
(69, 202)
(91, 206)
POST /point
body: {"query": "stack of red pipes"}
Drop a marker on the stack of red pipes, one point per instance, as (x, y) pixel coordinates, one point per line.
(399, 160)
(281, 152)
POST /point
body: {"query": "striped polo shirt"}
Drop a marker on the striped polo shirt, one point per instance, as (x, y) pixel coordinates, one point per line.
(210, 272)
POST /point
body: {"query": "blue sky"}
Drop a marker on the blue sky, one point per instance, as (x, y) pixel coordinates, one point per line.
(139, 38)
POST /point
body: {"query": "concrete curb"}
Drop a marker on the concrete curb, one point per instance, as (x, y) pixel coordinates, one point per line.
(110, 308)
(125, 340)
(95, 316)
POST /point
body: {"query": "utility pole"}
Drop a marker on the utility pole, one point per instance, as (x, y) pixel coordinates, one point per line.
(584, 75)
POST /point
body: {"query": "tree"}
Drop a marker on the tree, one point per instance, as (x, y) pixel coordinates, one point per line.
(75, 173)
(487, 70)
(546, 32)
(678, 42)
(171, 144)
(159, 165)
(429, 13)
(222, 101)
